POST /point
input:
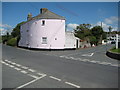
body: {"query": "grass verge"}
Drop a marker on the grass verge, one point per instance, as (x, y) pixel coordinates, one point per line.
(115, 50)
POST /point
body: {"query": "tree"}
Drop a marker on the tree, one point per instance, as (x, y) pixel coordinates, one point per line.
(16, 32)
(104, 35)
(97, 31)
(82, 31)
(110, 29)
(83, 27)
(93, 40)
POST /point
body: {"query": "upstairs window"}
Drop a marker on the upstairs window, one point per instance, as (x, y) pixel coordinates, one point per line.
(43, 23)
(44, 40)
(27, 30)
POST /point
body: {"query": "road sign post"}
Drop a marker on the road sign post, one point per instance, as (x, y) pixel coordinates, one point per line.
(116, 41)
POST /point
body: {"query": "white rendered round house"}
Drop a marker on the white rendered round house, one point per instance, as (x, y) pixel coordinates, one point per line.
(44, 31)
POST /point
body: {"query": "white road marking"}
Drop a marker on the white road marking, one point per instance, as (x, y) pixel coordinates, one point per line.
(24, 67)
(2, 62)
(62, 56)
(11, 66)
(89, 54)
(114, 65)
(31, 70)
(97, 61)
(85, 60)
(67, 57)
(108, 63)
(6, 63)
(92, 61)
(13, 63)
(105, 63)
(72, 84)
(18, 65)
(18, 69)
(41, 74)
(23, 72)
(92, 54)
(33, 76)
(55, 78)
(6, 60)
(29, 82)
(71, 57)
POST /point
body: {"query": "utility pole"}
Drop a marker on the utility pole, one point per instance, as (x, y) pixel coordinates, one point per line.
(116, 41)
(101, 24)
(101, 36)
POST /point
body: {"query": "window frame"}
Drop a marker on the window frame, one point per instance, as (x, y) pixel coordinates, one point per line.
(43, 22)
(44, 40)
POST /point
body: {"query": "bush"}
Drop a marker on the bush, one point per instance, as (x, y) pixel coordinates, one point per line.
(12, 42)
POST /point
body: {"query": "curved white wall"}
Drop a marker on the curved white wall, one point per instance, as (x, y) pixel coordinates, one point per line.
(33, 31)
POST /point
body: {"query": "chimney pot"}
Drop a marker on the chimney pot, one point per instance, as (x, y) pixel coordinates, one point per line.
(42, 10)
(29, 16)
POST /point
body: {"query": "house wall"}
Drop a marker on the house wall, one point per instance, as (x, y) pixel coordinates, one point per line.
(33, 31)
(70, 40)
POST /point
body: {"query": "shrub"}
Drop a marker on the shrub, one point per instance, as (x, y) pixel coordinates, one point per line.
(12, 42)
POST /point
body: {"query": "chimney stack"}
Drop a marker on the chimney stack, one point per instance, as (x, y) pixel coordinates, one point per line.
(29, 16)
(42, 10)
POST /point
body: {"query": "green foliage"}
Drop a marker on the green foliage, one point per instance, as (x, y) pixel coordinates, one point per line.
(94, 35)
(83, 27)
(97, 31)
(5, 38)
(115, 50)
(12, 42)
(82, 31)
(13, 39)
(110, 28)
(0, 39)
(104, 35)
(16, 30)
(93, 40)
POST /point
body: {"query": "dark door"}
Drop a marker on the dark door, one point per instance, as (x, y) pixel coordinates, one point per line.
(76, 43)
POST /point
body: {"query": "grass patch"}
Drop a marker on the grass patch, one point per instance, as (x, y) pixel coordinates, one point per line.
(115, 50)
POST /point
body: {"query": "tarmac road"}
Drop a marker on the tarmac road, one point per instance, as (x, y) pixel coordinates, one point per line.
(84, 68)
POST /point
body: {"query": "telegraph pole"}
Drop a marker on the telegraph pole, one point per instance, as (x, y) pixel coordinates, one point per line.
(101, 24)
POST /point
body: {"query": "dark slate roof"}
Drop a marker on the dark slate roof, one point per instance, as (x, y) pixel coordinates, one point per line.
(48, 15)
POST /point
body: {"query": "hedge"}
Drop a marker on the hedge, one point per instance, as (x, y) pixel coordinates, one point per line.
(12, 42)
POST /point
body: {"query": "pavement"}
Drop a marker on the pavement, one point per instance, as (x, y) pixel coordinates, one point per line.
(83, 68)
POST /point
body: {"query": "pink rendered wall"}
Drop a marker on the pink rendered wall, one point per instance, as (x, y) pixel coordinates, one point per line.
(53, 28)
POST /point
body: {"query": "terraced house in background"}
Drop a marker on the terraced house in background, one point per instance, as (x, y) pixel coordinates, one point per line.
(47, 31)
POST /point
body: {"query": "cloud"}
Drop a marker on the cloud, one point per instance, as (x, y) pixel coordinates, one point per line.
(71, 26)
(3, 31)
(105, 26)
(111, 20)
(4, 28)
